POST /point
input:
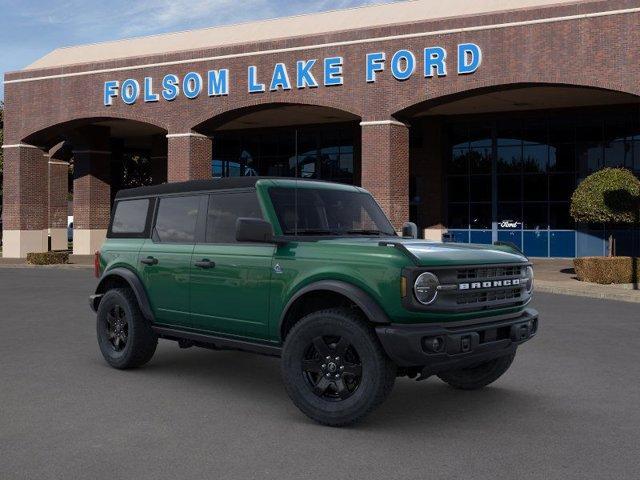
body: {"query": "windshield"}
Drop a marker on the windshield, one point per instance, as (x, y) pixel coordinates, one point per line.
(318, 211)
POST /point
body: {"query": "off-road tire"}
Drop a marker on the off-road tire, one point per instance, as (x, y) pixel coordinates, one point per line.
(478, 376)
(377, 376)
(141, 341)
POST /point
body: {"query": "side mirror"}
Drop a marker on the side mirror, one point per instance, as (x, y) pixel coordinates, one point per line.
(409, 230)
(254, 230)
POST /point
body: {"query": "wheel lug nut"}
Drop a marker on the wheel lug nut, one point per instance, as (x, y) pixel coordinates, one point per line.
(328, 375)
(337, 376)
(337, 359)
(328, 358)
(341, 367)
(324, 365)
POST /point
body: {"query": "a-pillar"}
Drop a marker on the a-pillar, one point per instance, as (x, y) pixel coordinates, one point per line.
(91, 190)
(159, 159)
(385, 167)
(58, 191)
(24, 201)
(189, 157)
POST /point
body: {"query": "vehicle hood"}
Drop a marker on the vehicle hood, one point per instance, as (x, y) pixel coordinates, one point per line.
(433, 253)
(426, 253)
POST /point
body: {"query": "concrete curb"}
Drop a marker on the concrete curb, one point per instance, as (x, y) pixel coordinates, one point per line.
(607, 292)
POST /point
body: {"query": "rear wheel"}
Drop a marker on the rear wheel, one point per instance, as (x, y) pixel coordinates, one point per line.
(478, 376)
(125, 337)
(334, 368)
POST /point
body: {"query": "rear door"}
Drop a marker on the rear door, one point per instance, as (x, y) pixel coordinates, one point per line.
(229, 280)
(165, 259)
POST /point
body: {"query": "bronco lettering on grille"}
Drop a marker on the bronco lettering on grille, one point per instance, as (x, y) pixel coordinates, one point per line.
(489, 284)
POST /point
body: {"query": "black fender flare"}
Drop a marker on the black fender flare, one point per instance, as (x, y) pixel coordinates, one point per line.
(136, 286)
(363, 300)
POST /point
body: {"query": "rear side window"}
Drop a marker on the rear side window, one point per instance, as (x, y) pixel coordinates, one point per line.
(176, 220)
(130, 217)
(224, 210)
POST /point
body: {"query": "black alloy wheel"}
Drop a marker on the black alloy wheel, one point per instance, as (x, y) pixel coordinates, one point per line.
(332, 368)
(117, 327)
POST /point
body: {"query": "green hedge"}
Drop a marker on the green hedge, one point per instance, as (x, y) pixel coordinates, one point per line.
(607, 270)
(48, 258)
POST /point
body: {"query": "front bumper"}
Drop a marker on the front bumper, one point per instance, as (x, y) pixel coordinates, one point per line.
(460, 344)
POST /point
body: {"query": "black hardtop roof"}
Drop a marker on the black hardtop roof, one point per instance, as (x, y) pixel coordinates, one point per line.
(226, 183)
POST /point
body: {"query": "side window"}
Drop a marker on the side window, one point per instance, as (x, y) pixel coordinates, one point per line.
(130, 217)
(224, 210)
(176, 219)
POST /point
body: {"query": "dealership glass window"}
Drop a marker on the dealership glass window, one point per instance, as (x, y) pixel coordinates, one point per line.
(326, 152)
(538, 159)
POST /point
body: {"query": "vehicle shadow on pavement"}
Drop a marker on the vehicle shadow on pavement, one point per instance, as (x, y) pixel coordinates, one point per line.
(237, 376)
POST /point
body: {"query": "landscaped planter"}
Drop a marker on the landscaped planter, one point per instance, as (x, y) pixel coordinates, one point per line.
(48, 258)
(606, 270)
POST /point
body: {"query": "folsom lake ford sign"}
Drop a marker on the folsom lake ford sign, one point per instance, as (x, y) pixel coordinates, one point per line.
(308, 73)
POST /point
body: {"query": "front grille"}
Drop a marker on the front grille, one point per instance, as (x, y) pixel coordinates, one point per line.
(484, 273)
(502, 294)
(474, 288)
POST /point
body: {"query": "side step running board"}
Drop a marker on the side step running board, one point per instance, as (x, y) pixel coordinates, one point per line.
(217, 342)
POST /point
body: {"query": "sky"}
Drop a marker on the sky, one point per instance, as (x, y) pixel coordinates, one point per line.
(30, 29)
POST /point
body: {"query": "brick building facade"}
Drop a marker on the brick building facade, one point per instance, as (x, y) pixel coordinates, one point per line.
(407, 78)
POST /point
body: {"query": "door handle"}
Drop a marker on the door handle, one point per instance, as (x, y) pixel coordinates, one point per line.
(149, 261)
(204, 263)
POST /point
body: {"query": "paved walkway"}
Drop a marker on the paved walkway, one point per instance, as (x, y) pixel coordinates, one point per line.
(558, 276)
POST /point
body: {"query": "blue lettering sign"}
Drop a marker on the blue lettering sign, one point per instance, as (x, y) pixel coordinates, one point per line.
(434, 58)
(110, 92)
(333, 71)
(149, 96)
(218, 82)
(130, 91)
(192, 85)
(375, 63)
(280, 78)
(403, 64)
(170, 87)
(469, 58)
(304, 77)
(254, 86)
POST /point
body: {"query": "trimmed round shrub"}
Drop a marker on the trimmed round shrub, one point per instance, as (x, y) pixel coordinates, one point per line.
(610, 195)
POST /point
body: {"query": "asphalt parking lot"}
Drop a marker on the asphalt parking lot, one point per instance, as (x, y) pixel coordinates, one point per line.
(568, 408)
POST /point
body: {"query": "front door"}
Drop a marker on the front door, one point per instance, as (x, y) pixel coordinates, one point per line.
(165, 259)
(230, 281)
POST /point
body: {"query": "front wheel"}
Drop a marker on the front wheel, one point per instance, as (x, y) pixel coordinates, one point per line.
(334, 368)
(478, 376)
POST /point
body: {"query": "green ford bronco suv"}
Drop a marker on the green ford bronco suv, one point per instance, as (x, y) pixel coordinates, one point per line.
(312, 272)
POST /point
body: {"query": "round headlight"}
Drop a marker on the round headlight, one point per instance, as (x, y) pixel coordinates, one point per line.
(426, 288)
(529, 279)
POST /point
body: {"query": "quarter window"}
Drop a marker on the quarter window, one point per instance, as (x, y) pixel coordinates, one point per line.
(224, 210)
(176, 220)
(130, 216)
